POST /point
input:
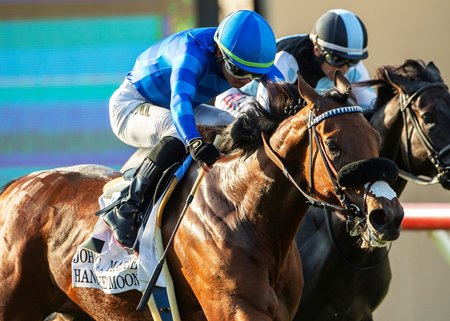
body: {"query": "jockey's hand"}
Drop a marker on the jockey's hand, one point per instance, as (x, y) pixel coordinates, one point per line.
(203, 152)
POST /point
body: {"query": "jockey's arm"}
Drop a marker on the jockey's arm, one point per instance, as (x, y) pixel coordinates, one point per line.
(183, 82)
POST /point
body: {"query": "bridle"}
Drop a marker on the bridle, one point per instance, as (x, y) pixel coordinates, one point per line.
(443, 172)
(355, 217)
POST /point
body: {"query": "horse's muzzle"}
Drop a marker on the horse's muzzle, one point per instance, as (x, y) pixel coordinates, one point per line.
(444, 178)
(387, 228)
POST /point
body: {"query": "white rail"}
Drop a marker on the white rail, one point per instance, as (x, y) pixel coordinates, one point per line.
(434, 217)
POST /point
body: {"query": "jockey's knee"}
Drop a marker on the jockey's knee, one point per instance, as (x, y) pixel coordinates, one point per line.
(168, 151)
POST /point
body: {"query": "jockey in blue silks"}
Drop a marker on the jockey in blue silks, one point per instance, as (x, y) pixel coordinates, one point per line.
(163, 98)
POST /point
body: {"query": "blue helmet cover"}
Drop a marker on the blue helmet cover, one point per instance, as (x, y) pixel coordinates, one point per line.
(248, 40)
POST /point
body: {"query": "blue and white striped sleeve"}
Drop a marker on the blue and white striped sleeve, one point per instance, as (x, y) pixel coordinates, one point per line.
(186, 68)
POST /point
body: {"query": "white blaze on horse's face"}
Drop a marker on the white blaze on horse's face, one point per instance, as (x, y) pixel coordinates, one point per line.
(381, 189)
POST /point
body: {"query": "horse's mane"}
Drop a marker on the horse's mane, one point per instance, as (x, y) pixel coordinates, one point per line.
(244, 133)
(411, 70)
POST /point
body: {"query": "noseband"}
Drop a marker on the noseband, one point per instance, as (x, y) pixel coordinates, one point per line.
(434, 155)
(351, 210)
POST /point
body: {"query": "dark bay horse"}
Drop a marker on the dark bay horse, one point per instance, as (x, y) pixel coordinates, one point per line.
(412, 114)
(415, 122)
(234, 255)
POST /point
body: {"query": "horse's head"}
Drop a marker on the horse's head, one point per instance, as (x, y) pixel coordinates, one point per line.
(343, 166)
(415, 115)
(329, 152)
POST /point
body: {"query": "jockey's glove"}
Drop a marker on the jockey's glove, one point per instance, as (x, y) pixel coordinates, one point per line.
(203, 152)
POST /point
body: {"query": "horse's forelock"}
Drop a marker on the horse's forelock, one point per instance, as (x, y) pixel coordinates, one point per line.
(418, 70)
(410, 71)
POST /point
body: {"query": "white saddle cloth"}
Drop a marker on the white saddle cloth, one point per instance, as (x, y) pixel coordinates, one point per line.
(115, 269)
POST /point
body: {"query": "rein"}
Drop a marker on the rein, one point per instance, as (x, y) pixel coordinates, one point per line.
(434, 155)
(351, 210)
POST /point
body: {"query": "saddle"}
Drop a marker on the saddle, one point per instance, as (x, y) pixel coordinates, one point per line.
(127, 266)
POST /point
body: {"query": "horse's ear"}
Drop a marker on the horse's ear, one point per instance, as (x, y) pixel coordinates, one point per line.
(342, 84)
(435, 72)
(431, 65)
(306, 91)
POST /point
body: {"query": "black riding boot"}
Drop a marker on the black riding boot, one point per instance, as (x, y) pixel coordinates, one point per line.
(123, 219)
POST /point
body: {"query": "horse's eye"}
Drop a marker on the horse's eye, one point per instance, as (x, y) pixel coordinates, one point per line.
(428, 118)
(332, 147)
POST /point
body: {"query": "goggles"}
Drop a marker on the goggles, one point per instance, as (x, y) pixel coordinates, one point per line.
(336, 61)
(237, 72)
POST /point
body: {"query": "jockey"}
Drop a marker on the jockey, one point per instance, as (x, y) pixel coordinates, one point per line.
(163, 98)
(338, 41)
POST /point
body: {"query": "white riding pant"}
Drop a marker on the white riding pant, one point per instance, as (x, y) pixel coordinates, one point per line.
(138, 123)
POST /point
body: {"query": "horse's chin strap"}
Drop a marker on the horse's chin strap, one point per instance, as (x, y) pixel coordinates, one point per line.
(311, 200)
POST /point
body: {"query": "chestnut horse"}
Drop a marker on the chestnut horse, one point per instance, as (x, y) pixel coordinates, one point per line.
(412, 114)
(233, 255)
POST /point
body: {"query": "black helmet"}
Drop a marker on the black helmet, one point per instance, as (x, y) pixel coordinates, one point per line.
(341, 33)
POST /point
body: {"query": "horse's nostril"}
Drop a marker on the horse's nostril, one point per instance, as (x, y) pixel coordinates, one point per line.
(378, 218)
(445, 180)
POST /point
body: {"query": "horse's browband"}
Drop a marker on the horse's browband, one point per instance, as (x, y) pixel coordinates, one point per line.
(333, 112)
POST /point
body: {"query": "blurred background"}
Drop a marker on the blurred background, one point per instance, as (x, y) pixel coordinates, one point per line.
(61, 60)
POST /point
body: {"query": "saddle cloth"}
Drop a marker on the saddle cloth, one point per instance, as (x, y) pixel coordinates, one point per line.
(102, 263)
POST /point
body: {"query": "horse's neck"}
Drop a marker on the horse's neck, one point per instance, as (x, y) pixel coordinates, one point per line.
(246, 185)
(258, 188)
(262, 195)
(388, 122)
